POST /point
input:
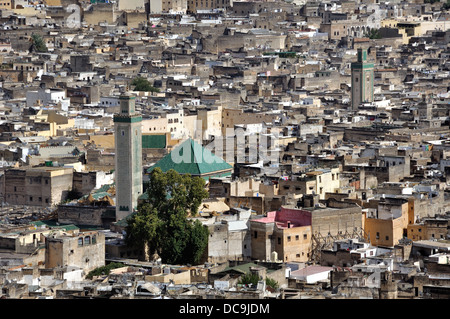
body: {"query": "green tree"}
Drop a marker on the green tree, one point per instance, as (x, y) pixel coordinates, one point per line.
(272, 283)
(373, 34)
(104, 270)
(37, 43)
(142, 84)
(254, 278)
(162, 225)
(446, 5)
(249, 279)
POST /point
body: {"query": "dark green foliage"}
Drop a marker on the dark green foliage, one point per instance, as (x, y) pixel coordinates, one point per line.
(142, 84)
(253, 278)
(72, 195)
(373, 34)
(104, 270)
(196, 243)
(446, 5)
(272, 283)
(38, 43)
(161, 224)
(249, 278)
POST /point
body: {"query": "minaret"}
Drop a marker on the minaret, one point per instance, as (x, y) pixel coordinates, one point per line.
(362, 80)
(128, 156)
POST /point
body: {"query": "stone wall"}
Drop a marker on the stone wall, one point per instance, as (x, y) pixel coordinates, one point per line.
(83, 215)
(82, 251)
(336, 221)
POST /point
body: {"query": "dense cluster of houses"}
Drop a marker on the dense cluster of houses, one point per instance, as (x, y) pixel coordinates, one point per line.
(327, 123)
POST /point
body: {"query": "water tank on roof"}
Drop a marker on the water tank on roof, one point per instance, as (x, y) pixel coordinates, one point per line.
(274, 256)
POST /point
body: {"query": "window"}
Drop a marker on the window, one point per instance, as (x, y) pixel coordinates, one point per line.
(255, 234)
(305, 236)
(94, 240)
(289, 238)
(279, 241)
(297, 237)
(80, 241)
(387, 237)
(87, 240)
(378, 235)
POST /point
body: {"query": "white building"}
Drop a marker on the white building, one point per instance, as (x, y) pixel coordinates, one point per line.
(311, 274)
(45, 97)
(109, 101)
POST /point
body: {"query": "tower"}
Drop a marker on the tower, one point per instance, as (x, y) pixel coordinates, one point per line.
(362, 80)
(128, 156)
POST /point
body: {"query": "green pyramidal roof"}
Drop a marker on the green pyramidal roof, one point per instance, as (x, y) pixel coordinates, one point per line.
(191, 158)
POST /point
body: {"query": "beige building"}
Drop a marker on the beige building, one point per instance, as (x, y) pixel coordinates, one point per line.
(409, 29)
(155, 125)
(232, 117)
(176, 6)
(322, 181)
(168, 6)
(210, 121)
(37, 186)
(194, 5)
(130, 5)
(6, 4)
(85, 250)
(429, 229)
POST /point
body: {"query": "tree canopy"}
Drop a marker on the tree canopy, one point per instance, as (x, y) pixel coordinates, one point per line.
(161, 223)
(254, 278)
(142, 84)
(38, 43)
(373, 34)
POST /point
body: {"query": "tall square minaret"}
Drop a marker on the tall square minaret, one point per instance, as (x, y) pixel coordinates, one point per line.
(362, 80)
(128, 156)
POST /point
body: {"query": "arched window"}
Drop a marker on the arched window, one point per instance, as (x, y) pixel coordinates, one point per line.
(87, 240)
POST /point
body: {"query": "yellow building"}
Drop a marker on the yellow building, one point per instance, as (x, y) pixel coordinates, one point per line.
(285, 233)
(409, 29)
(389, 225)
(6, 4)
(327, 181)
(428, 229)
(57, 122)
